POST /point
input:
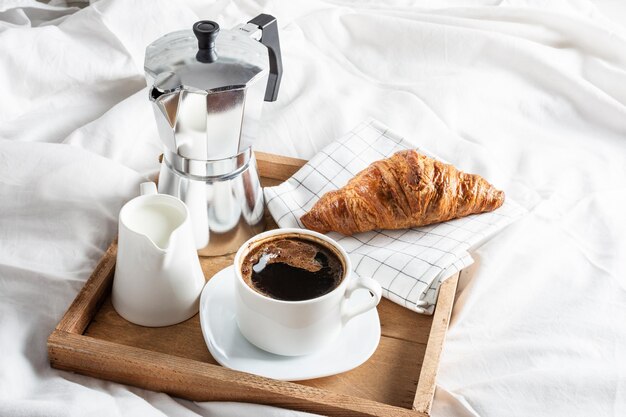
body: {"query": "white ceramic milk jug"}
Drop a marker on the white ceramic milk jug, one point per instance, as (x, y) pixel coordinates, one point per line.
(158, 278)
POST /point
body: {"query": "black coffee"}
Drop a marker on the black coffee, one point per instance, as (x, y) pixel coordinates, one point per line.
(292, 269)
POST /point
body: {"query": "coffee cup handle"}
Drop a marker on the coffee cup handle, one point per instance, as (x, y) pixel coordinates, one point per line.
(360, 283)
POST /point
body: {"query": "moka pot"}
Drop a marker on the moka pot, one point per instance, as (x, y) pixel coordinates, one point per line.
(207, 88)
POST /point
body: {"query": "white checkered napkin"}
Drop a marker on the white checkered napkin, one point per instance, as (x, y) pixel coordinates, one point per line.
(409, 264)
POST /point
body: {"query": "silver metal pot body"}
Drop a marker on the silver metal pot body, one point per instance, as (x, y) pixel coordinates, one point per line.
(207, 88)
(207, 111)
(224, 198)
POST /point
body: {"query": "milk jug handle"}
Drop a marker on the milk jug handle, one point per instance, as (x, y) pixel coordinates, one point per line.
(269, 38)
(147, 188)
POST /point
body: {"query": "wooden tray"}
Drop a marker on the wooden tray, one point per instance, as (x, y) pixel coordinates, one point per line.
(398, 380)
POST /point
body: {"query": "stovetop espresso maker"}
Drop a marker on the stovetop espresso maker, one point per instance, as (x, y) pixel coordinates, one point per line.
(207, 88)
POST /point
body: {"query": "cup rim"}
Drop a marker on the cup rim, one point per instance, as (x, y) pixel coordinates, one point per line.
(292, 230)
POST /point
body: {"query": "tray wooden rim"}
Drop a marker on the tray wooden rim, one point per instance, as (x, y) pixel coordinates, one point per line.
(69, 349)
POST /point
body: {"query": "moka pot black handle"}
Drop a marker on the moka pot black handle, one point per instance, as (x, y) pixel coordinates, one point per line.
(269, 38)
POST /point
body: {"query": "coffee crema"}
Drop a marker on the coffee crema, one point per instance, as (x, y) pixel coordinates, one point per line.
(292, 269)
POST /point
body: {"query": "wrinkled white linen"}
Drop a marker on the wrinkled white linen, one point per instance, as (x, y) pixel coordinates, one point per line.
(529, 94)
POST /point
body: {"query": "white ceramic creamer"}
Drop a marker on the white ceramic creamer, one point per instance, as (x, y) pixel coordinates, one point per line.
(158, 278)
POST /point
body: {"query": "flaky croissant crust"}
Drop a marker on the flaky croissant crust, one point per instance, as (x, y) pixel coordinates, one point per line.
(406, 190)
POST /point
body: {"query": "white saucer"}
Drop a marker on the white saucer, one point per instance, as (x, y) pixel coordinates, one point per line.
(356, 343)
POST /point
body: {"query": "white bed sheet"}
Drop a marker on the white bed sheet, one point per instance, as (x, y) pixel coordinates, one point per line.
(530, 94)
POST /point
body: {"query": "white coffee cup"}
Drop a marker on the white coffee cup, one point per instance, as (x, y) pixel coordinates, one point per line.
(158, 277)
(294, 328)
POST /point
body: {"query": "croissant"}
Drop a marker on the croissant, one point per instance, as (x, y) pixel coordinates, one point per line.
(406, 190)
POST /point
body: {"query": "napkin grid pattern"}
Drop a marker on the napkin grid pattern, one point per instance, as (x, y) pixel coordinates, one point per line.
(410, 264)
